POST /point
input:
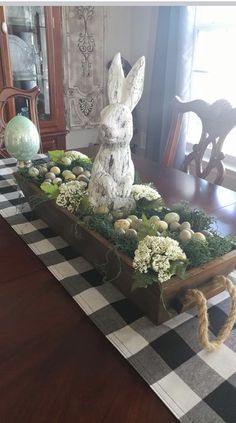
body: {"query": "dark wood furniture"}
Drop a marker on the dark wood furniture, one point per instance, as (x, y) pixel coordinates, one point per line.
(94, 248)
(9, 93)
(49, 66)
(55, 364)
(217, 120)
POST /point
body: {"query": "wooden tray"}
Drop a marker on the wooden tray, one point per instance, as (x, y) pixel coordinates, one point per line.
(93, 247)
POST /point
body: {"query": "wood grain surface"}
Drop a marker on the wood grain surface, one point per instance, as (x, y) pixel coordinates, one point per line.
(94, 247)
(55, 365)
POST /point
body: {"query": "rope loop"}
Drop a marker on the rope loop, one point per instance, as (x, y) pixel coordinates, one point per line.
(203, 324)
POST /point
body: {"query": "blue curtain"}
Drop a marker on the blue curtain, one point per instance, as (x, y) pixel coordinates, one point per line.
(170, 76)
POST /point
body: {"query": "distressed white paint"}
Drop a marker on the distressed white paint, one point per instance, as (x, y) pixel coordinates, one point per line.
(113, 170)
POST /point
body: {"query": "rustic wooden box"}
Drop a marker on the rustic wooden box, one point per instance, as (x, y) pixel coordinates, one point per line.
(93, 247)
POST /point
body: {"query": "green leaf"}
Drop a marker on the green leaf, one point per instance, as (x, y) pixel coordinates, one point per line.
(141, 280)
(56, 155)
(85, 160)
(51, 190)
(145, 219)
(85, 207)
(157, 204)
(146, 228)
(179, 268)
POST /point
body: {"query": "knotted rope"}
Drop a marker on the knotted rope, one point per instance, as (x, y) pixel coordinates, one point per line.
(201, 304)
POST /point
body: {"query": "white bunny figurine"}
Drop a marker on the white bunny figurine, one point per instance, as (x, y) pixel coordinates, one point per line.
(113, 171)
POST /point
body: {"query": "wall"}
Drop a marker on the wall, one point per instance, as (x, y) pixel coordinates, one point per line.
(142, 43)
(130, 30)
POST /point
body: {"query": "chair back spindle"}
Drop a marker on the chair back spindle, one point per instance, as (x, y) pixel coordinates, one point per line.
(217, 120)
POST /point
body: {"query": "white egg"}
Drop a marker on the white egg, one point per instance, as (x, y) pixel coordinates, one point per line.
(174, 226)
(185, 235)
(154, 219)
(66, 161)
(57, 181)
(87, 173)
(171, 217)
(162, 225)
(133, 217)
(199, 236)
(70, 176)
(185, 225)
(122, 223)
(65, 172)
(56, 170)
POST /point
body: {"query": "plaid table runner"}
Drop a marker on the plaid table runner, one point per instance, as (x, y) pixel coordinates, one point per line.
(195, 385)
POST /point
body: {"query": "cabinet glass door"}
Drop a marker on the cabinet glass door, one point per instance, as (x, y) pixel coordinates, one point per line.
(28, 55)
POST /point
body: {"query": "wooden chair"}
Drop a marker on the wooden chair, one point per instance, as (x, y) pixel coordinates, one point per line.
(9, 93)
(217, 120)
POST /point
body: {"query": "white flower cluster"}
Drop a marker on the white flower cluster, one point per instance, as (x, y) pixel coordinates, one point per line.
(138, 192)
(70, 195)
(156, 253)
(75, 155)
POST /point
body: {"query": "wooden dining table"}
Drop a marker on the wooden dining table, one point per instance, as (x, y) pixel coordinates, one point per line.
(55, 365)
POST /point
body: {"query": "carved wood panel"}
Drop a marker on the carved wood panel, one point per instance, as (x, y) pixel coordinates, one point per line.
(84, 68)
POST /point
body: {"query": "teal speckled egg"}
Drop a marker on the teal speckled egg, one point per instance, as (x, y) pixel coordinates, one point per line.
(21, 138)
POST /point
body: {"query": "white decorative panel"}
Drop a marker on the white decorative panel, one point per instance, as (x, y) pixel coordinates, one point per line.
(84, 67)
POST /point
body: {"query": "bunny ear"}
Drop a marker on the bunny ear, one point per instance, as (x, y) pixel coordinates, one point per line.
(133, 86)
(115, 80)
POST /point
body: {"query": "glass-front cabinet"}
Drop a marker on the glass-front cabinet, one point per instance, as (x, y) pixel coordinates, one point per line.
(31, 54)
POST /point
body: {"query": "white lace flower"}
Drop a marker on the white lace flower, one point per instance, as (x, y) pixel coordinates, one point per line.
(139, 192)
(70, 195)
(157, 253)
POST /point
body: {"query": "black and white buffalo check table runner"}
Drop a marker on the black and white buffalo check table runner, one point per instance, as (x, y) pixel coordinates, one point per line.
(197, 386)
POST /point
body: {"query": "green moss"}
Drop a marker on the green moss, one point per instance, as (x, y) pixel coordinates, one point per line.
(197, 252)
(201, 252)
(198, 219)
(37, 180)
(104, 226)
(86, 164)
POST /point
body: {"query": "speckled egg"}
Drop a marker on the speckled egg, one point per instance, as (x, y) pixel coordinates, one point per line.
(50, 175)
(33, 171)
(77, 170)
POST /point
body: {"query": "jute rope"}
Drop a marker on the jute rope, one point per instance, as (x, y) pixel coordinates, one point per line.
(201, 303)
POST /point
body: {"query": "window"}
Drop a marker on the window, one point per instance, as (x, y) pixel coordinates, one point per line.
(214, 63)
